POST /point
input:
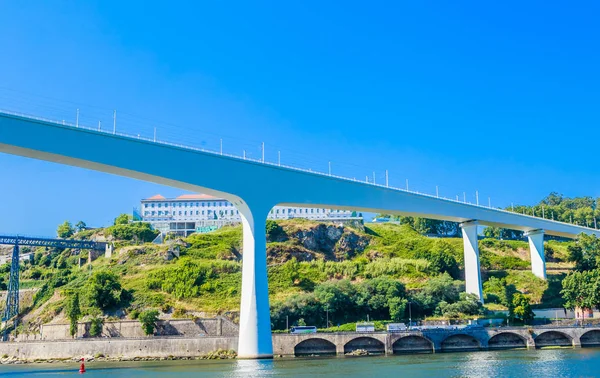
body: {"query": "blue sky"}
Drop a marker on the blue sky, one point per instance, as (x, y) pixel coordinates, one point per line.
(501, 98)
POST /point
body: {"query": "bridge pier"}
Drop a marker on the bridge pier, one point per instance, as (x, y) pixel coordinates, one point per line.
(255, 317)
(536, 248)
(471, 252)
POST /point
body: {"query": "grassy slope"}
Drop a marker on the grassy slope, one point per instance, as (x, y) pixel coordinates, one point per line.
(394, 250)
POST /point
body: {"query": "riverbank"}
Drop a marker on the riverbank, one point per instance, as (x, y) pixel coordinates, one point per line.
(533, 363)
(298, 345)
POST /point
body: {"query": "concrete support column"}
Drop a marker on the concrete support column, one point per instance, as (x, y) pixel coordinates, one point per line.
(472, 266)
(536, 248)
(255, 318)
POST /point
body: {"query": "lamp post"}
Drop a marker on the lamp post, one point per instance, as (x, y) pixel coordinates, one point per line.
(409, 314)
(327, 318)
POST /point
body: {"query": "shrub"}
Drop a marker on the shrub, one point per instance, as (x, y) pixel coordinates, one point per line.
(104, 289)
(96, 324)
(148, 320)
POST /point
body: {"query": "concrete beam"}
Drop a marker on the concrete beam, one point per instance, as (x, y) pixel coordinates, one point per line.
(255, 318)
(473, 283)
(536, 248)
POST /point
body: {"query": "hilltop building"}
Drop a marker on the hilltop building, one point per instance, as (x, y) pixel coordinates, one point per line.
(203, 213)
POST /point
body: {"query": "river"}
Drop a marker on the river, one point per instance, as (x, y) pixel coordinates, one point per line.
(555, 363)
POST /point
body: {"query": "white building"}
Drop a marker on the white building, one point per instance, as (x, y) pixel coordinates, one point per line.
(202, 213)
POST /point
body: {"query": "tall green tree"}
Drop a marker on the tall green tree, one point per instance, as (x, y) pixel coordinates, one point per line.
(582, 289)
(148, 320)
(104, 289)
(122, 219)
(585, 253)
(65, 230)
(522, 308)
(73, 312)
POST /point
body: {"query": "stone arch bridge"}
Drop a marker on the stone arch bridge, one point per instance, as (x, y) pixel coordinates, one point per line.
(434, 341)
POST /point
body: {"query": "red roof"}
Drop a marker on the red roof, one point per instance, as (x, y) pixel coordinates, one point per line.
(157, 197)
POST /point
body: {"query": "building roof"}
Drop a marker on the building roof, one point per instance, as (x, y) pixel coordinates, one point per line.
(156, 197)
(195, 197)
(184, 197)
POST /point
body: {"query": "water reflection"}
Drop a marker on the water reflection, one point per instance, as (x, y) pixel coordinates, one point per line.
(253, 369)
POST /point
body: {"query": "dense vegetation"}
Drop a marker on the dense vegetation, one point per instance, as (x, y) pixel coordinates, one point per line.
(316, 271)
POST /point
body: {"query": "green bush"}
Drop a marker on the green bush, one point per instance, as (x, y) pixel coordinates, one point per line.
(148, 320)
(104, 289)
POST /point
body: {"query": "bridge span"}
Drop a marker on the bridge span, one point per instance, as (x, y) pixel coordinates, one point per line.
(255, 187)
(434, 341)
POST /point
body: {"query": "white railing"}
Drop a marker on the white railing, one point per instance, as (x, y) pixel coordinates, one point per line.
(265, 162)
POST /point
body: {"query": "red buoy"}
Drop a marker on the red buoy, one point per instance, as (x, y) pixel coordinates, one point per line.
(82, 367)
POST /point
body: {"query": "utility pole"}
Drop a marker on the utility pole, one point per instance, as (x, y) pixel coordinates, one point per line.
(407, 185)
(329, 163)
(477, 197)
(409, 314)
(115, 122)
(327, 321)
(155, 135)
(263, 151)
(512, 207)
(457, 198)
(77, 119)
(374, 178)
(221, 145)
(287, 323)
(464, 197)
(490, 202)
(279, 158)
(543, 213)
(244, 154)
(387, 178)
(99, 125)
(437, 191)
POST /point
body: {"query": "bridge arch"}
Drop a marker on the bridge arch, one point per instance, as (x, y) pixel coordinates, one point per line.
(460, 342)
(370, 344)
(315, 346)
(553, 339)
(412, 344)
(507, 340)
(590, 338)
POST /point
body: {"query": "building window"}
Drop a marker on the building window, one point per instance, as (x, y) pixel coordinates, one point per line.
(202, 212)
(231, 212)
(179, 212)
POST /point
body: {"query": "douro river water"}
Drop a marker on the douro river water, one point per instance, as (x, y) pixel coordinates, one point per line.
(555, 363)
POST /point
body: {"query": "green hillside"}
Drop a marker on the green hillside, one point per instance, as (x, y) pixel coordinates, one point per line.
(349, 271)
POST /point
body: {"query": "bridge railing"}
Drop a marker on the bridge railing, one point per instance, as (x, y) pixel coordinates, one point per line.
(269, 163)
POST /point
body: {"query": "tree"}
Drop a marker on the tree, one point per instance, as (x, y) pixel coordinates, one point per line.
(80, 226)
(148, 320)
(522, 308)
(104, 289)
(582, 289)
(96, 322)
(122, 219)
(585, 253)
(73, 312)
(382, 298)
(441, 259)
(65, 230)
(273, 230)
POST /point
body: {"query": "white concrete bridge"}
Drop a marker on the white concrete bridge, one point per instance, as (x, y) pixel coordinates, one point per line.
(255, 187)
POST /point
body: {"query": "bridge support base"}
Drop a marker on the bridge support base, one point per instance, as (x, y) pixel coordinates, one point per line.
(536, 247)
(255, 318)
(472, 266)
